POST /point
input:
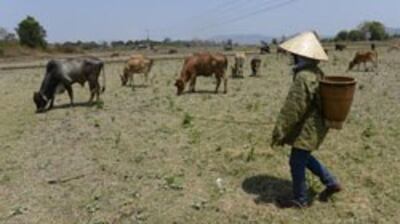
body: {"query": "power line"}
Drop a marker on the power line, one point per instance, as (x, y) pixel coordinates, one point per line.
(220, 12)
(206, 14)
(250, 14)
(239, 10)
(227, 18)
(244, 7)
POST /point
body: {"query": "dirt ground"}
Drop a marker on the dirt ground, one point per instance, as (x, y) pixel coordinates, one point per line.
(148, 156)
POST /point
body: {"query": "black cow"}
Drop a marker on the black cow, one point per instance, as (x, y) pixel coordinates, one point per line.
(265, 48)
(61, 74)
(373, 46)
(340, 47)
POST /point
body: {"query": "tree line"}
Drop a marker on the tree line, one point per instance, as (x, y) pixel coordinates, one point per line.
(32, 34)
(366, 31)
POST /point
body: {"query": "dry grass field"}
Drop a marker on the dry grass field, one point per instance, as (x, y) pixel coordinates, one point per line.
(148, 156)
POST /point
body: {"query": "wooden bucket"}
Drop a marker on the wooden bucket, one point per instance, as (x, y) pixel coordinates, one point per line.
(337, 96)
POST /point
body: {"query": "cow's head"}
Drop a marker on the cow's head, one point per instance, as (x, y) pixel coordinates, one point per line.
(351, 65)
(40, 100)
(180, 86)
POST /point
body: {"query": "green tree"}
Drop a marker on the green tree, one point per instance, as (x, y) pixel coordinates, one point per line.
(31, 33)
(374, 30)
(356, 35)
(342, 36)
(3, 33)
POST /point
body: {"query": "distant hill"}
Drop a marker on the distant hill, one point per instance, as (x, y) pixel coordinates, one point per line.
(242, 38)
(393, 31)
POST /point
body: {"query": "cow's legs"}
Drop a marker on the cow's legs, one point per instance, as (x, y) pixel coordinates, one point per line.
(375, 62)
(92, 87)
(193, 84)
(225, 82)
(218, 78)
(146, 77)
(70, 93)
(97, 91)
(51, 103)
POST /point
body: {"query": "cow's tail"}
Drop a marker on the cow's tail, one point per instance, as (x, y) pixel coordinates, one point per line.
(104, 79)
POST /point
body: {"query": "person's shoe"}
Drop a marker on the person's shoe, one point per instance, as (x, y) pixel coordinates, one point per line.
(325, 195)
(291, 204)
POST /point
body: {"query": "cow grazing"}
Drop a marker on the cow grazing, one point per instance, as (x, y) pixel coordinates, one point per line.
(136, 64)
(280, 51)
(172, 51)
(364, 57)
(255, 64)
(340, 47)
(395, 47)
(237, 68)
(115, 54)
(265, 48)
(61, 74)
(202, 64)
(373, 47)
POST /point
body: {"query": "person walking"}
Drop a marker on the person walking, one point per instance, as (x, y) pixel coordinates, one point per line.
(300, 123)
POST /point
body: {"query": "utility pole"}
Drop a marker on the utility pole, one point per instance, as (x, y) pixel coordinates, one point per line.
(147, 34)
(148, 38)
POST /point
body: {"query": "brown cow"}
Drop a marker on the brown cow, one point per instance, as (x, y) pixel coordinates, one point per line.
(364, 57)
(395, 47)
(280, 51)
(136, 64)
(202, 64)
(255, 66)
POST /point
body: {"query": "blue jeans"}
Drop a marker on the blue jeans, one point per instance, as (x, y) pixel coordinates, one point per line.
(299, 161)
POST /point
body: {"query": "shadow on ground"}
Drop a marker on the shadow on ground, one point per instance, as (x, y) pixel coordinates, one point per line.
(267, 188)
(68, 105)
(199, 92)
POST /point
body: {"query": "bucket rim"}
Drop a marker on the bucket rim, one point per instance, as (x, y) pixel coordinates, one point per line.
(338, 80)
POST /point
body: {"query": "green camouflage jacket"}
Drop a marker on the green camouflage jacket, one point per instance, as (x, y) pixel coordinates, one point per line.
(300, 123)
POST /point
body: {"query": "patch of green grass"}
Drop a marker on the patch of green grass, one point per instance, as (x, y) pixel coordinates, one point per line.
(187, 120)
(194, 136)
(99, 104)
(369, 131)
(174, 182)
(4, 179)
(96, 123)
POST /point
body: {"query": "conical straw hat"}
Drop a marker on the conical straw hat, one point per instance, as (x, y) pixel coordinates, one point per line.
(306, 45)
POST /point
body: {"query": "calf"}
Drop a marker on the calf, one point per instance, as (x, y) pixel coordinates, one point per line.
(136, 64)
(237, 68)
(255, 66)
(61, 74)
(364, 57)
(202, 64)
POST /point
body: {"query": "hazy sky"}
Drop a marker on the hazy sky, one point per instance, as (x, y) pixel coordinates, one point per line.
(186, 19)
